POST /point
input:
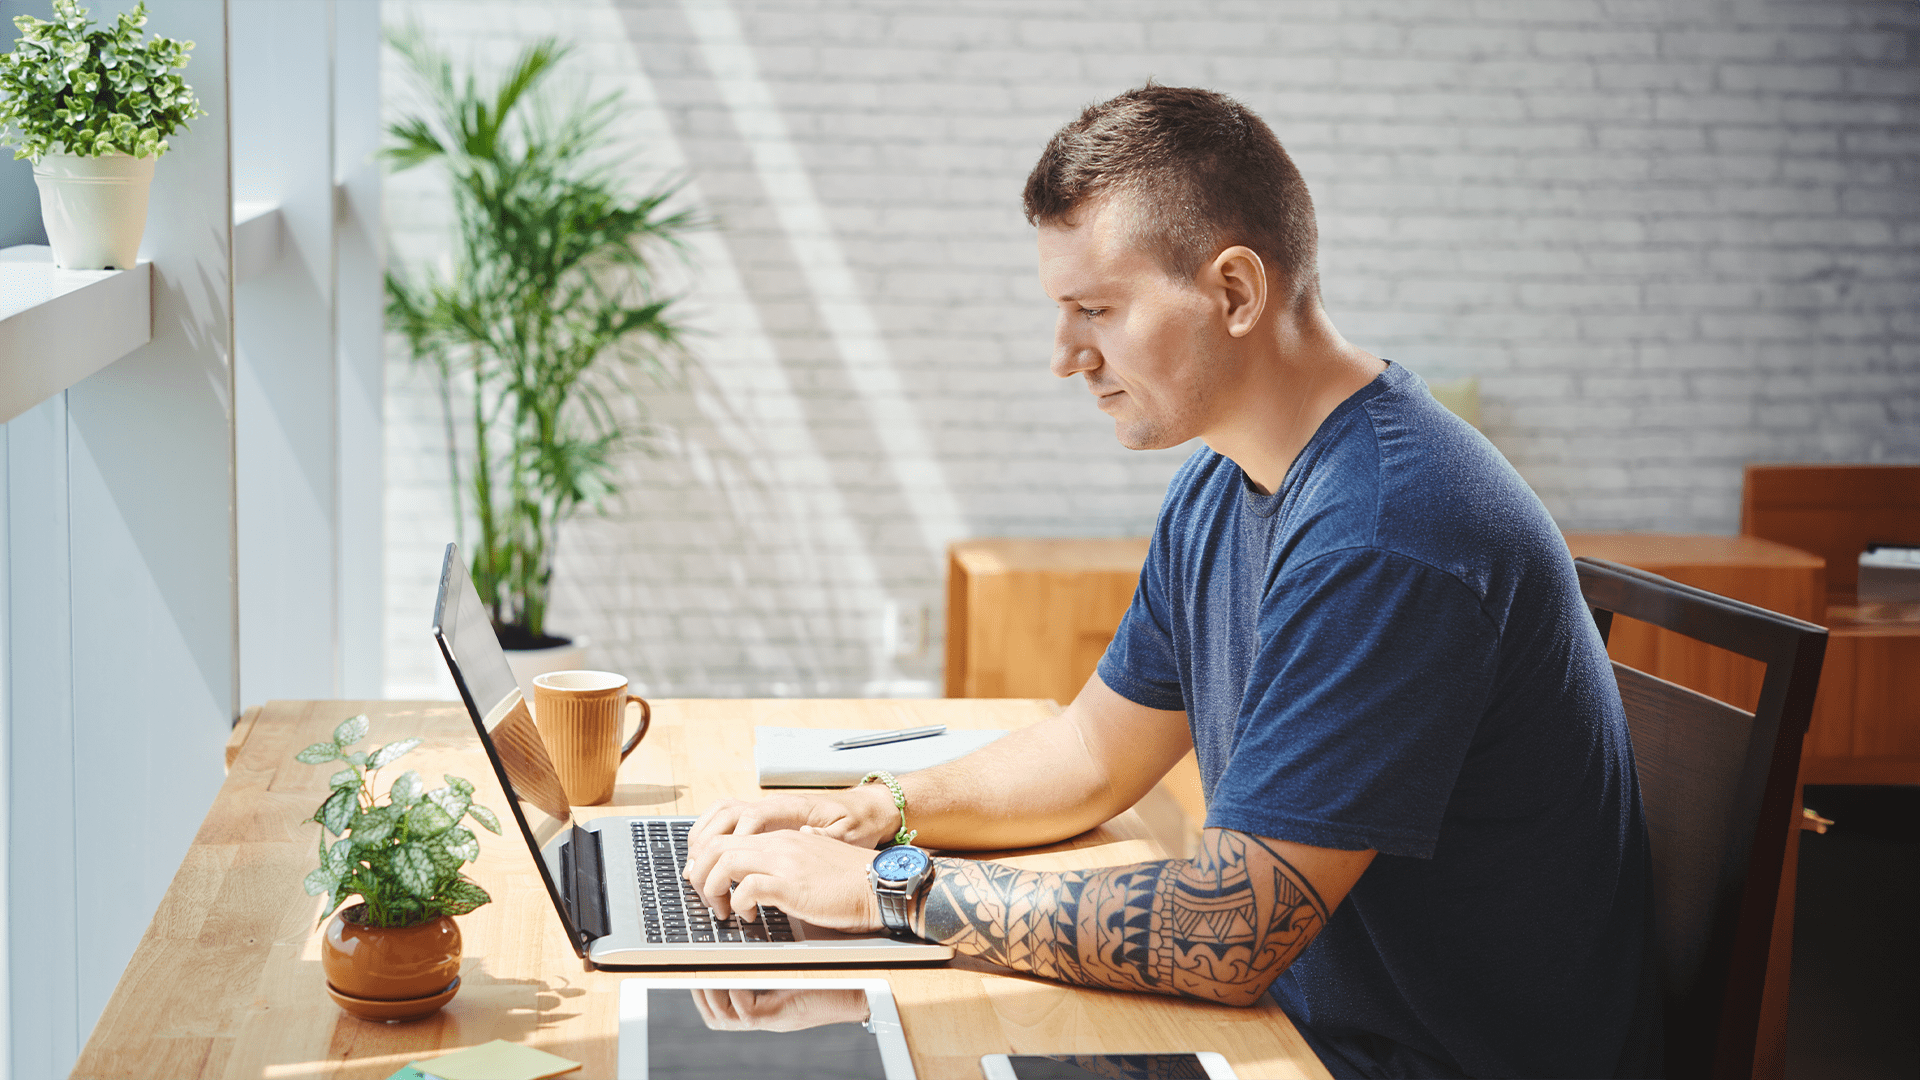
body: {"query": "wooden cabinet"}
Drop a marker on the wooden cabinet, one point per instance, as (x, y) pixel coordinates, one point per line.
(1746, 568)
(1031, 618)
(1866, 721)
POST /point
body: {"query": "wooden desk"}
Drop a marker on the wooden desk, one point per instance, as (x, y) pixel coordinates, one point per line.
(227, 980)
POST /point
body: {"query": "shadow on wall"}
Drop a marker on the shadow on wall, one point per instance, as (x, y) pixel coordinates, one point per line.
(19, 204)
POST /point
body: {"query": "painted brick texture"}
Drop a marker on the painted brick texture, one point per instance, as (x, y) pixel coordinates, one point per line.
(1669, 238)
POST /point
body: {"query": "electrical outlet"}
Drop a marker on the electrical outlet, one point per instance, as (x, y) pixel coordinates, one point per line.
(906, 629)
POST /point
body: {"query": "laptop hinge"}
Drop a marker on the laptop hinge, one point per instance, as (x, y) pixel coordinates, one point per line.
(586, 892)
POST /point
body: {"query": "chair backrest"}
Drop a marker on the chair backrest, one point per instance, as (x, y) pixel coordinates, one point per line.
(1833, 511)
(1717, 785)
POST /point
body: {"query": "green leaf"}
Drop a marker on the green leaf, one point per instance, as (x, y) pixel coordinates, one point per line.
(414, 871)
(406, 789)
(462, 844)
(461, 786)
(391, 752)
(449, 800)
(346, 778)
(462, 896)
(373, 826)
(317, 754)
(321, 881)
(339, 857)
(350, 731)
(485, 817)
(426, 819)
(334, 814)
(445, 864)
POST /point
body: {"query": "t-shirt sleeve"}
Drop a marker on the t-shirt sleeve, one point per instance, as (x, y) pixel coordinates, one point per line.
(1140, 663)
(1372, 675)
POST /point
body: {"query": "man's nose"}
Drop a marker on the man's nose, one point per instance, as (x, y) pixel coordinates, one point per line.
(1071, 355)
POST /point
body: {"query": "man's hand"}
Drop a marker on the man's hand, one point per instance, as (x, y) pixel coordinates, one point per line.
(808, 875)
(743, 1009)
(862, 816)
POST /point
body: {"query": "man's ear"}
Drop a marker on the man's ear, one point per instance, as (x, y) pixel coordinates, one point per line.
(1239, 280)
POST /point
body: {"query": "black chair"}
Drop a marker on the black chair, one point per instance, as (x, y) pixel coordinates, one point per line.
(1717, 784)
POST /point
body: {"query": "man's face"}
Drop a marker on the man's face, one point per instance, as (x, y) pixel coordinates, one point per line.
(1145, 343)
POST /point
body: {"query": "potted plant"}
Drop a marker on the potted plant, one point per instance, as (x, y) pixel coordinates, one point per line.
(537, 331)
(93, 108)
(395, 955)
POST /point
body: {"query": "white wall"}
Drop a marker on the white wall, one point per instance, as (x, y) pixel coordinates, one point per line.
(305, 124)
(121, 672)
(160, 521)
(1669, 237)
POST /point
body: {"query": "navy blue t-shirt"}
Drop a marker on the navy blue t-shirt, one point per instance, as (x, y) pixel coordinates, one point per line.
(1391, 652)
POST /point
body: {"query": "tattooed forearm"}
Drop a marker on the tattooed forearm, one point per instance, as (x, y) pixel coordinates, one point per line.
(1219, 926)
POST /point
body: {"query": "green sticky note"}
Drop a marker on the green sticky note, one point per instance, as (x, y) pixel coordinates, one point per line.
(497, 1060)
(408, 1072)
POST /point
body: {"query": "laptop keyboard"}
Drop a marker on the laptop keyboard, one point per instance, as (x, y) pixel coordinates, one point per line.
(670, 910)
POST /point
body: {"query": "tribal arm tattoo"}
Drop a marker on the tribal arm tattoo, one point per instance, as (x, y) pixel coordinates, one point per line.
(1219, 926)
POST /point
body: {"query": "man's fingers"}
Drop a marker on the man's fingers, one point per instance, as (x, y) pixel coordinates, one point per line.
(717, 888)
(718, 819)
(744, 1003)
(752, 891)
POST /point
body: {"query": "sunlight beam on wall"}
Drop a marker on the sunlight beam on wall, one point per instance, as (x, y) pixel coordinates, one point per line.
(849, 321)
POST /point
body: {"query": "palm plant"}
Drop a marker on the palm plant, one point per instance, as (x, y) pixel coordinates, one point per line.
(549, 310)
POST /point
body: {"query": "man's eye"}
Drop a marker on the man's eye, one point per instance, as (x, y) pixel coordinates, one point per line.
(1091, 312)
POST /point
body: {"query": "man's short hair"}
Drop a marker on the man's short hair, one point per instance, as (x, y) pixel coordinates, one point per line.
(1200, 170)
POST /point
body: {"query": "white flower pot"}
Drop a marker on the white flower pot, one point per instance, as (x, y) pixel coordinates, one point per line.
(528, 664)
(95, 208)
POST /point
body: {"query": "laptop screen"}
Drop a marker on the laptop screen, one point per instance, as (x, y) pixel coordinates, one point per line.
(492, 695)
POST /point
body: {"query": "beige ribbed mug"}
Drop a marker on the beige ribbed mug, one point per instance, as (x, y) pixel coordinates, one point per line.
(579, 715)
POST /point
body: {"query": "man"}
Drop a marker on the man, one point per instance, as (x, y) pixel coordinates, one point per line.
(1423, 831)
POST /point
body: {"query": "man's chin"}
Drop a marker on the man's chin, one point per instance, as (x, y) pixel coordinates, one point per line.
(1138, 437)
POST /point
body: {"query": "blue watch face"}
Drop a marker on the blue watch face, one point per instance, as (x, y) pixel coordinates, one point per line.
(899, 863)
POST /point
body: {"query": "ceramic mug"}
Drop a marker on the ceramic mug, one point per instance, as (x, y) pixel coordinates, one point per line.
(579, 715)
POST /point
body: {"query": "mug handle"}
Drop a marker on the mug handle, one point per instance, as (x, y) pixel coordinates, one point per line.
(646, 721)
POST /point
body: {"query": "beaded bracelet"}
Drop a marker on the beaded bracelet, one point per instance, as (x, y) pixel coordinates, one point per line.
(905, 835)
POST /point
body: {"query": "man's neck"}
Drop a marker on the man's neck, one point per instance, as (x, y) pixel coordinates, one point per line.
(1296, 375)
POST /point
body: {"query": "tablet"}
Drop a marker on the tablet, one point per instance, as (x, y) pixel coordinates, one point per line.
(1176, 1066)
(724, 1029)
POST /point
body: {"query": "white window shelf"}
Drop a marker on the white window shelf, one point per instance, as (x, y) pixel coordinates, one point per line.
(256, 238)
(59, 326)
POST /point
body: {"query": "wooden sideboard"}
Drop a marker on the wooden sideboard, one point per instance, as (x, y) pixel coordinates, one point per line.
(1866, 721)
(1031, 617)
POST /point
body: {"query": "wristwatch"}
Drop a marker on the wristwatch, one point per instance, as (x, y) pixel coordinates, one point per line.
(899, 875)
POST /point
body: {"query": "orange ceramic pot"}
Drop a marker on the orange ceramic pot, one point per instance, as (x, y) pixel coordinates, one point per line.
(379, 964)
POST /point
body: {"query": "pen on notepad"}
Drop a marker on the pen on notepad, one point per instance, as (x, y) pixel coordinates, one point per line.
(881, 738)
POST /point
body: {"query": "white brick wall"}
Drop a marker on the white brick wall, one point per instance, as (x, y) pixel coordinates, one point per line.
(1669, 237)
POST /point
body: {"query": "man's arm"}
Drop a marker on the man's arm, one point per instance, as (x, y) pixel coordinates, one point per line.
(1220, 926)
(1046, 782)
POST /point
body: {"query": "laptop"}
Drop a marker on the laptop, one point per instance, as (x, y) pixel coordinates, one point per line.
(616, 882)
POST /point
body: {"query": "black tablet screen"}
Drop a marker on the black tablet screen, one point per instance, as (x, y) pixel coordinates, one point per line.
(1107, 1067)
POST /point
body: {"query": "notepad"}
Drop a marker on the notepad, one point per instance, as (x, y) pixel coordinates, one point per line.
(497, 1060)
(802, 757)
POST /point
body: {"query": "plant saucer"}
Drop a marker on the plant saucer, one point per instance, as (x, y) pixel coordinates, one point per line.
(393, 1011)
